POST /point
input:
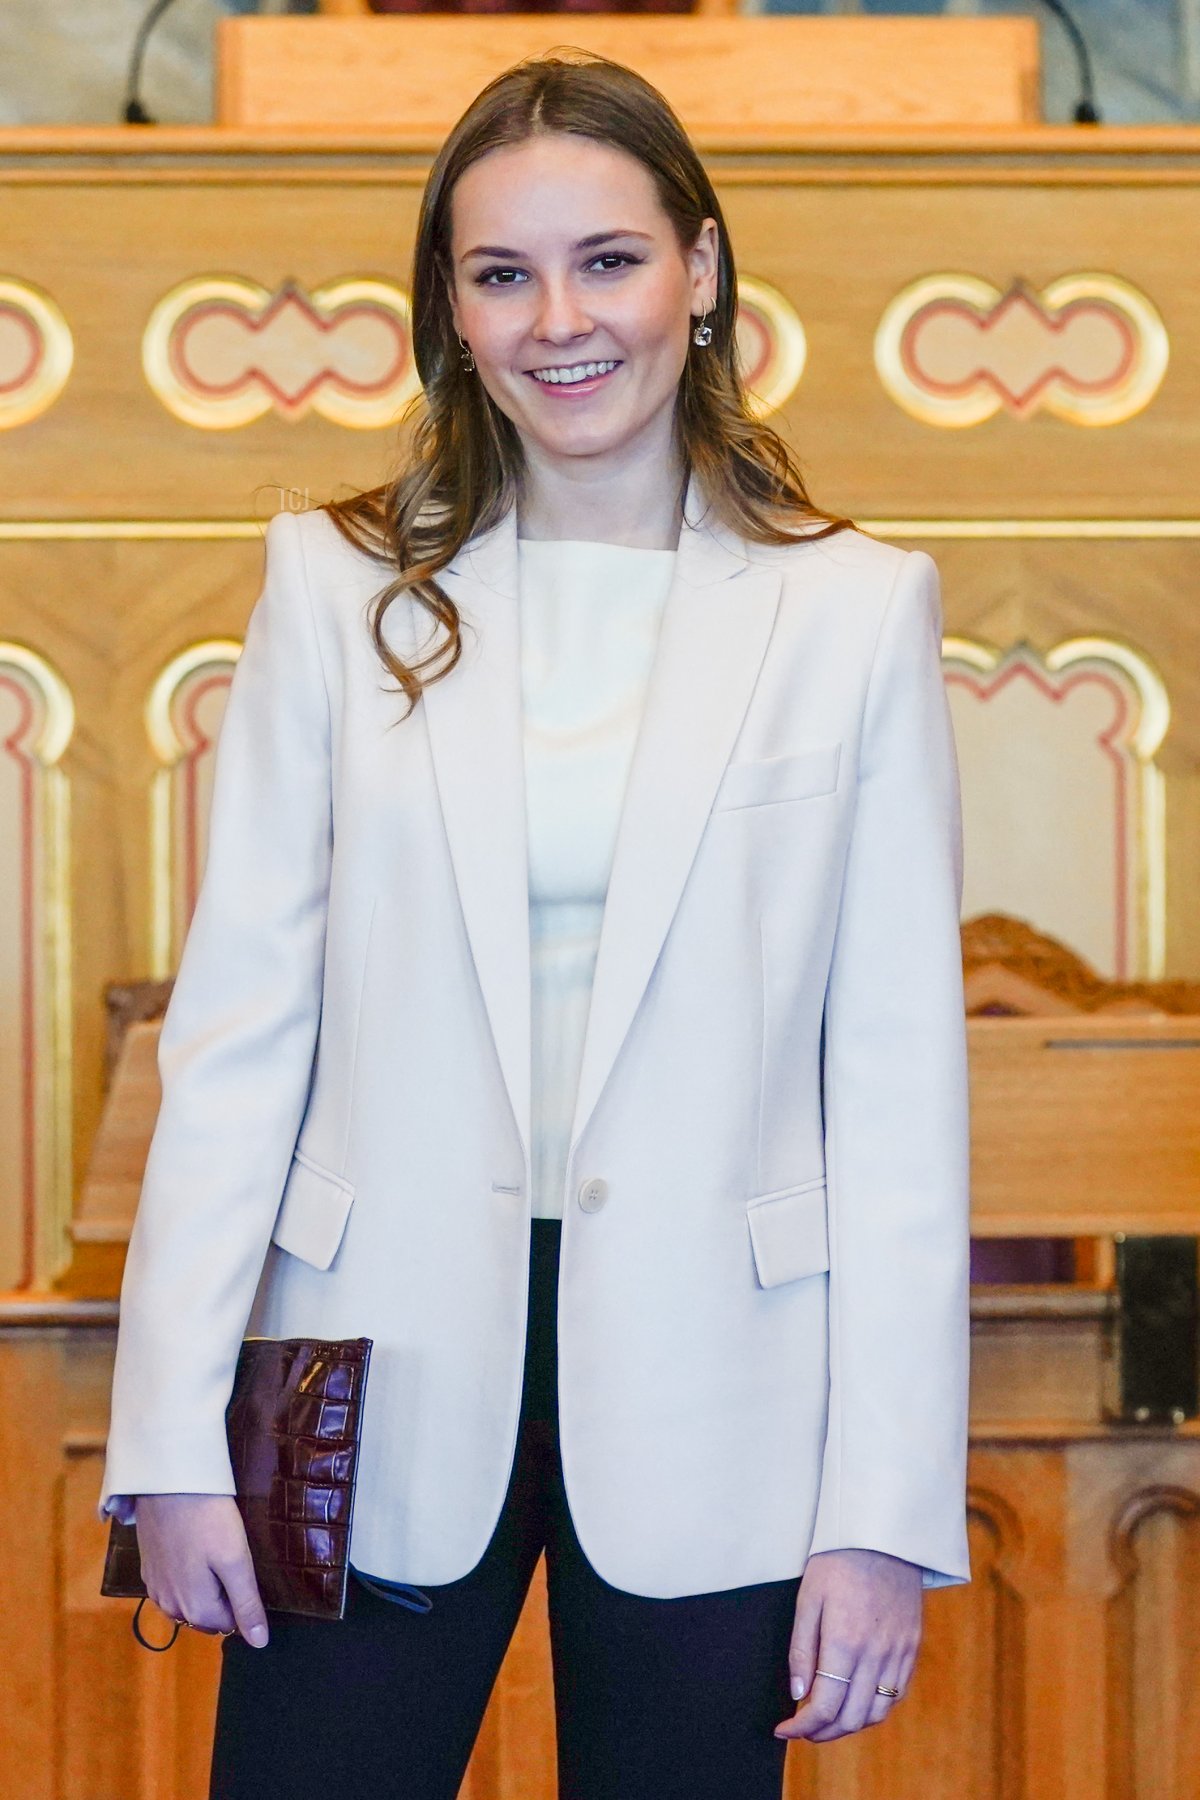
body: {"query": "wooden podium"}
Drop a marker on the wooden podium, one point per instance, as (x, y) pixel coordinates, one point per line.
(744, 78)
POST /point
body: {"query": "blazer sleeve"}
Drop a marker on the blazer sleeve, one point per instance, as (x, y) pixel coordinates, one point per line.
(235, 1055)
(896, 1112)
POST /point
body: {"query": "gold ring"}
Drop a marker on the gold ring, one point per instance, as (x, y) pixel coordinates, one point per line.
(887, 1692)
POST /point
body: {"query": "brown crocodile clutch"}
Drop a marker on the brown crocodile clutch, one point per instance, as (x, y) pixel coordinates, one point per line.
(293, 1423)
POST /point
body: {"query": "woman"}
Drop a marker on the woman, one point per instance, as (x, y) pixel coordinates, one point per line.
(660, 1231)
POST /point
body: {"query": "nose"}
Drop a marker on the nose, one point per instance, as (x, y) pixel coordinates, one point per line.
(561, 314)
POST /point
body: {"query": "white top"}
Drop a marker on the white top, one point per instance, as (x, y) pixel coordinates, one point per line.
(590, 617)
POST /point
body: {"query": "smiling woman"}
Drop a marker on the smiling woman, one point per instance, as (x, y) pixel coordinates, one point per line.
(630, 952)
(574, 327)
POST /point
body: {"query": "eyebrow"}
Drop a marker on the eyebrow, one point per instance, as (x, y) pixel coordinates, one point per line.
(585, 243)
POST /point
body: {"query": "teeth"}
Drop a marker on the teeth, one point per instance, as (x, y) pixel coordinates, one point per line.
(580, 372)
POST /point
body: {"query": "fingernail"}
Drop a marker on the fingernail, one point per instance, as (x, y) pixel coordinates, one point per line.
(258, 1636)
(797, 1687)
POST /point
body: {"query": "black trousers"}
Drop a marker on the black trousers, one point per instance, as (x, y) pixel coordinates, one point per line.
(654, 1699)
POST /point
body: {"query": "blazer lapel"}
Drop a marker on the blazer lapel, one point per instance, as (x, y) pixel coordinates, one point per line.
(475, 724)
(716, 621)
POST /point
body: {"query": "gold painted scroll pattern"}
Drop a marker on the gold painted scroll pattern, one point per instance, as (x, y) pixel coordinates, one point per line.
(37, 718)
(183, 720)
(221, 351)
(954, 350)
(1063, 804)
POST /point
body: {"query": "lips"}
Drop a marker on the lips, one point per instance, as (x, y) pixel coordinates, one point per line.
(587, 386)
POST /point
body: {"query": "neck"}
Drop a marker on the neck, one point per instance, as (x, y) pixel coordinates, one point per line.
(639, 505)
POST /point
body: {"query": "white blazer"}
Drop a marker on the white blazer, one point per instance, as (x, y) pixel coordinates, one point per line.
(763, 1313)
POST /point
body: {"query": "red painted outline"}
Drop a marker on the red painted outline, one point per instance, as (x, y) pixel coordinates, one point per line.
(759, 322)
(200, 744)
(1054, 322)
(288, 295)
(986, 688)
(37, 350)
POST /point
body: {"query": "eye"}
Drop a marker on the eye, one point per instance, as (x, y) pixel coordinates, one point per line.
(617, 257)
(485, 278)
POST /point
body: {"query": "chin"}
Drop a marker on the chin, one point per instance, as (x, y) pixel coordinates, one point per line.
(576, 434)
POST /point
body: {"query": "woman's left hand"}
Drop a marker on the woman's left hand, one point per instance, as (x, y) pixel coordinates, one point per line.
(858, 1614)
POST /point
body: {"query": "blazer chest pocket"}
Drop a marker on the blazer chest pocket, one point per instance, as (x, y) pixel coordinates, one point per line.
(313, 1212)
(801, 775)
(789, 1232)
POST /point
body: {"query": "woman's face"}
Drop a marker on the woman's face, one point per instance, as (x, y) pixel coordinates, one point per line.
(564, 258)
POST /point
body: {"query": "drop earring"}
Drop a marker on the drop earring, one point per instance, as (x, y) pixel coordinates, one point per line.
(467, 359)
(703, 333)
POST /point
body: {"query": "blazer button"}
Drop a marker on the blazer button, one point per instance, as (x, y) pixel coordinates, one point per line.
(593, 1193)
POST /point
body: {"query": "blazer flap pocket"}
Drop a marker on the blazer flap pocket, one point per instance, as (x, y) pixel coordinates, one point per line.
(798, 776)
(313, 1212)
(789, 1232)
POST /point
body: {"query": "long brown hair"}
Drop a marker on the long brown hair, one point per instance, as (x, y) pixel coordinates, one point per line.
(464, 464)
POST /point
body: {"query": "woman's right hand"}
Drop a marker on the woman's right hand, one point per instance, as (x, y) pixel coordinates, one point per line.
(196, 1563)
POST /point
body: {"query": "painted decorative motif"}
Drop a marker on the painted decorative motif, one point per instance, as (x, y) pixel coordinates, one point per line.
(771, 346)
(37, 718)
(36, 353)
(221, 351)
(183, 721)
(1063, 816)
(953, 350)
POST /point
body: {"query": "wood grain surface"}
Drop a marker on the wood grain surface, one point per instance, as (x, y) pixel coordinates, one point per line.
(718, 73)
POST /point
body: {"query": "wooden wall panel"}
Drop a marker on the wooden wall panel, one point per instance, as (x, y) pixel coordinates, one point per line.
(1154, 1650)
(838, 236)
(109, 616)
(1068, 1667)
(1133, 590)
